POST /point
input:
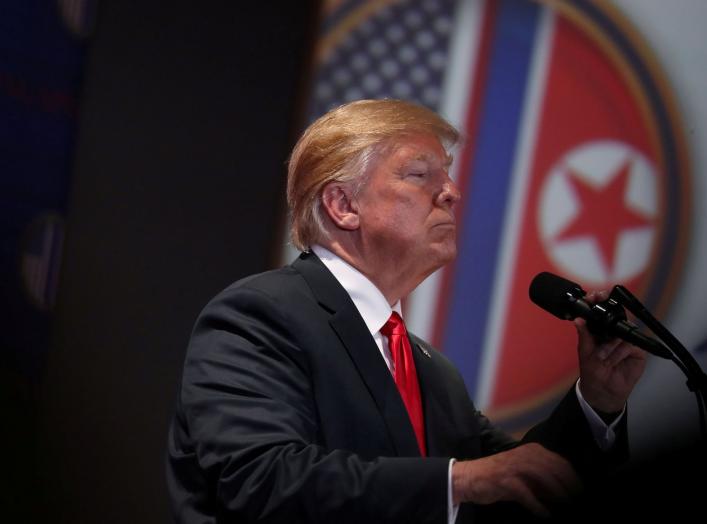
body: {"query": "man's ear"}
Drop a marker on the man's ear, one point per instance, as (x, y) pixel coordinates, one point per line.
(339, 206)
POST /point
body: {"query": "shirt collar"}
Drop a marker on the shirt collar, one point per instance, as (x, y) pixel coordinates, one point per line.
(367, 298)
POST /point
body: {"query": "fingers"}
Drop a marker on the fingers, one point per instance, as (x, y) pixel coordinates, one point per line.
(615, 353)
(555, 479)
(526, 498)
(607, 352)
(589, 346)
(596, 296)
(586, 342)
(542, 479)
(529, 474)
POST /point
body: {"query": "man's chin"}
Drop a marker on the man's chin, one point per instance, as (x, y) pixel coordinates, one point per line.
(450, 257)
(445, 254)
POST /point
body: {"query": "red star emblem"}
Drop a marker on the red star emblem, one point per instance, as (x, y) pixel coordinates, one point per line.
(603, 213)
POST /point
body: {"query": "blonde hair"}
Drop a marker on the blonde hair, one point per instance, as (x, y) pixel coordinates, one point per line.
(340, 145)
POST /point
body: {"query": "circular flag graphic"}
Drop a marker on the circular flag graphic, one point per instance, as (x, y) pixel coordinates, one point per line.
(598, 210)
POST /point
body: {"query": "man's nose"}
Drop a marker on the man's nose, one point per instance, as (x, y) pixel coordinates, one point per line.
(450, 193)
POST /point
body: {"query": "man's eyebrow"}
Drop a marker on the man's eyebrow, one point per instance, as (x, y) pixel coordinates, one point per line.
(428, 157)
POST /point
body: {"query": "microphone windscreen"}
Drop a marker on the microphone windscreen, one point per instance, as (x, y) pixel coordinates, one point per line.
(552, 293)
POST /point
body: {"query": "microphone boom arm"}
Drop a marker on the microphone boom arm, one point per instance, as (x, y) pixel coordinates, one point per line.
(696, 378)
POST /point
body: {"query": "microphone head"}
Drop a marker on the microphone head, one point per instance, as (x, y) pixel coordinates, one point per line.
(554, 294)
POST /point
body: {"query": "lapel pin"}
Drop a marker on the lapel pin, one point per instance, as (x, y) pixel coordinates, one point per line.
(424, 351)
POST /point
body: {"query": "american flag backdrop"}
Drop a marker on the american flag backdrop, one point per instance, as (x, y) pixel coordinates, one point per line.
(574, 160)
(382, 50)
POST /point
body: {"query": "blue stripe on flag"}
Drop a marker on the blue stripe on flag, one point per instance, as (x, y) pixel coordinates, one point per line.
(490, 177)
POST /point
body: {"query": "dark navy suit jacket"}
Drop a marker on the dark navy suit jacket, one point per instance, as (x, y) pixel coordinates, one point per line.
(288, 413)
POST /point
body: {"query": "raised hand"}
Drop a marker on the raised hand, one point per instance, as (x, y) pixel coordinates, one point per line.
(608, 371)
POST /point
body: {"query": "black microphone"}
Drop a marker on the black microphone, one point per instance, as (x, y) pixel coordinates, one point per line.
(605, 320)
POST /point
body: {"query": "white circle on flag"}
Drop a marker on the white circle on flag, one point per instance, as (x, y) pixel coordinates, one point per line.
(597, 212)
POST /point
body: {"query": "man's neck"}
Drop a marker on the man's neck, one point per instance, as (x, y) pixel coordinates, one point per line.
(392, 281)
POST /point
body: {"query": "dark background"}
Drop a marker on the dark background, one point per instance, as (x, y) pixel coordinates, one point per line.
(187, 114)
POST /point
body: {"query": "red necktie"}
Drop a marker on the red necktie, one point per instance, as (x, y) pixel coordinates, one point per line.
(405, 374)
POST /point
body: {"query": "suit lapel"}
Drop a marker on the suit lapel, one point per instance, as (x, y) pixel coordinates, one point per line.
(366, 356)
(360, 346)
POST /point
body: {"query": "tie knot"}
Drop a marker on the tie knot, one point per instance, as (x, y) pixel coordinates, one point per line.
(394, 326)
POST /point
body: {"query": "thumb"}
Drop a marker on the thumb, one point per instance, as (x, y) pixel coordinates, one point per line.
(585, 338)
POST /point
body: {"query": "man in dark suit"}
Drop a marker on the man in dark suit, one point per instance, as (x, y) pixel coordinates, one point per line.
(304, 399)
